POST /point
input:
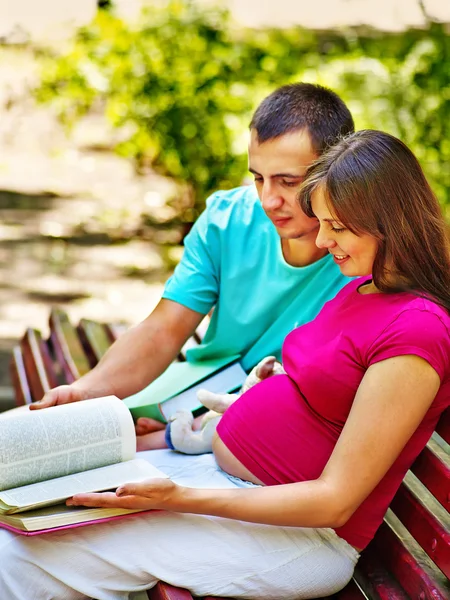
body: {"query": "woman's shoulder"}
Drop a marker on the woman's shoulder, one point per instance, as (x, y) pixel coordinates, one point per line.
(421, 309)
(414, 325)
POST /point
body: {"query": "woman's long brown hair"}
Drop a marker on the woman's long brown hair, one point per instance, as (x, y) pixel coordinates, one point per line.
(374, 185)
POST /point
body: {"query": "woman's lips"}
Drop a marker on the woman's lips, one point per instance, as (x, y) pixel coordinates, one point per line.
(340, 258)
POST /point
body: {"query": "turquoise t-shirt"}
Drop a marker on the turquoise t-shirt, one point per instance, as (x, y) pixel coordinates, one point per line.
(233, 261)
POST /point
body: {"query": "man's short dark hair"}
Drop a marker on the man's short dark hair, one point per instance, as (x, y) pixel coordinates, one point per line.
(303, 106)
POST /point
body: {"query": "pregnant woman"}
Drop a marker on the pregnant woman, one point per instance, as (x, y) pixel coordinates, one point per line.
(305, 464)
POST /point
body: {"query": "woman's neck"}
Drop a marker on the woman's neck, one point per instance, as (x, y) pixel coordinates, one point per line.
(369, 288)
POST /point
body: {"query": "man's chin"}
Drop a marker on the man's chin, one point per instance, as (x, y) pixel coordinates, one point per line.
(298, 235)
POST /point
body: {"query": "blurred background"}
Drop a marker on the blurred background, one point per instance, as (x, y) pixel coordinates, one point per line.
(118, 118)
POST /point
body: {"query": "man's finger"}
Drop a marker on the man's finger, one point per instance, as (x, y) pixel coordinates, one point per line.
(46, 402)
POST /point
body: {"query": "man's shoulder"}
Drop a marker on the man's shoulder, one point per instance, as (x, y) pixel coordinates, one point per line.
(241, 204)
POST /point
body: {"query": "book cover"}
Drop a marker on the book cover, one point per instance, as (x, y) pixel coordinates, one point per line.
(48, 456)
(38, 523)
(180, 377)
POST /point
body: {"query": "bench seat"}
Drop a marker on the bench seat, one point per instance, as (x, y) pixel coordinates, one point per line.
(409, 558)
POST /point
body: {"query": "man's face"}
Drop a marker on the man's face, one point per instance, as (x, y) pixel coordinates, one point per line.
(279, 166)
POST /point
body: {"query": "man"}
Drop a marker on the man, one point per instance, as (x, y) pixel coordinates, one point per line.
(251, 255)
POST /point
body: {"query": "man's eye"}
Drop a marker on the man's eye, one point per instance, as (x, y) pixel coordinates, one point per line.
(290, 183)
(258, 180)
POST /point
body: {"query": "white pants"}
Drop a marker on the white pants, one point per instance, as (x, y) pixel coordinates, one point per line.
(207, 555)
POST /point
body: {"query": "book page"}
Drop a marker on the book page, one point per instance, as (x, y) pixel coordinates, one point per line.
(57, 490)
(58, 441)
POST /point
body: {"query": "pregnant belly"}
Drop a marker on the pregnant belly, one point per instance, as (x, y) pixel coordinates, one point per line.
(229, 463)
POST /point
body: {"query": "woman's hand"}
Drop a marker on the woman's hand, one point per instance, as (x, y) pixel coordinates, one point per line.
(161, 494)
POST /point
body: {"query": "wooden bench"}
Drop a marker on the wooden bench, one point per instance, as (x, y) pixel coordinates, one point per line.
(409, 557)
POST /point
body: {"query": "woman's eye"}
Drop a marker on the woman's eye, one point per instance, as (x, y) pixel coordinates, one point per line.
(338, 229)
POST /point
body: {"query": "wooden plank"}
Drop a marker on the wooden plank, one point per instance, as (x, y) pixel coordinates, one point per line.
(372, 577)
(429, 532)
(19, 378)
(200, 332)
(94, 339)
(434, 474)
(192, 342)
(351, 592)
(115, 330)
(39, 368)
(164, 591)
(68, 350)
(443, 427)
(407, 566)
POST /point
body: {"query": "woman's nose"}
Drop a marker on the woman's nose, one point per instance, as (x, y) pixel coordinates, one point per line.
(324, 240)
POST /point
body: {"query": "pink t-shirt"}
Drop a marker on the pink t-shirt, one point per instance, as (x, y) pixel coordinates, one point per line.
(285, 428)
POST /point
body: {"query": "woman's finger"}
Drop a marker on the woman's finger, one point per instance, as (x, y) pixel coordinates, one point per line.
(148, 488)
(109, 500)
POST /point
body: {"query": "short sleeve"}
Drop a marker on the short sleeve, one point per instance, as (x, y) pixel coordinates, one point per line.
(420, 332)
(195, 282)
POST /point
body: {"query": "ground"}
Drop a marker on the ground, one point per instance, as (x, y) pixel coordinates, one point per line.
(50, 184)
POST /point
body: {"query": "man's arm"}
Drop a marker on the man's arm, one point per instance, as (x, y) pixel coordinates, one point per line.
(137, 358)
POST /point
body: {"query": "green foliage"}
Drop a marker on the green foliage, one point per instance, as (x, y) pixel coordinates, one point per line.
(185, 82)
(401, 83)
(183, 79)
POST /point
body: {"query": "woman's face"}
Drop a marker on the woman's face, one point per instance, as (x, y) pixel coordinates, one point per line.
(354, 254)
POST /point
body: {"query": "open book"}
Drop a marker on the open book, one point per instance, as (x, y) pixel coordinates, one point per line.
(48, 456)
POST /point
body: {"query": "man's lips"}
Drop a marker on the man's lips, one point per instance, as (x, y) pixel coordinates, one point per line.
(279, 221)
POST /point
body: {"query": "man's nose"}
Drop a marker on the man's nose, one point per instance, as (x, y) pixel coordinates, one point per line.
(270, 198)
(324, 239)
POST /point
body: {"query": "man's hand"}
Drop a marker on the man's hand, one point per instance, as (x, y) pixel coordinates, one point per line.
(161, 494)
(63, 394)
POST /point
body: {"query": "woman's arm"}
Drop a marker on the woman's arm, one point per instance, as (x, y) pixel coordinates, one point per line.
(391, 401)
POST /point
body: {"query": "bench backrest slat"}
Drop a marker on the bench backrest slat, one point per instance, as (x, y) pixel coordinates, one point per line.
(431, 534)
(409, 570)
(94, 339)
(38, 364)
(190, 343)
(443, 427)
(371, 575)
(434, 474)
(114, 330)
(19, 378)
(350, 592)
(67, 347)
